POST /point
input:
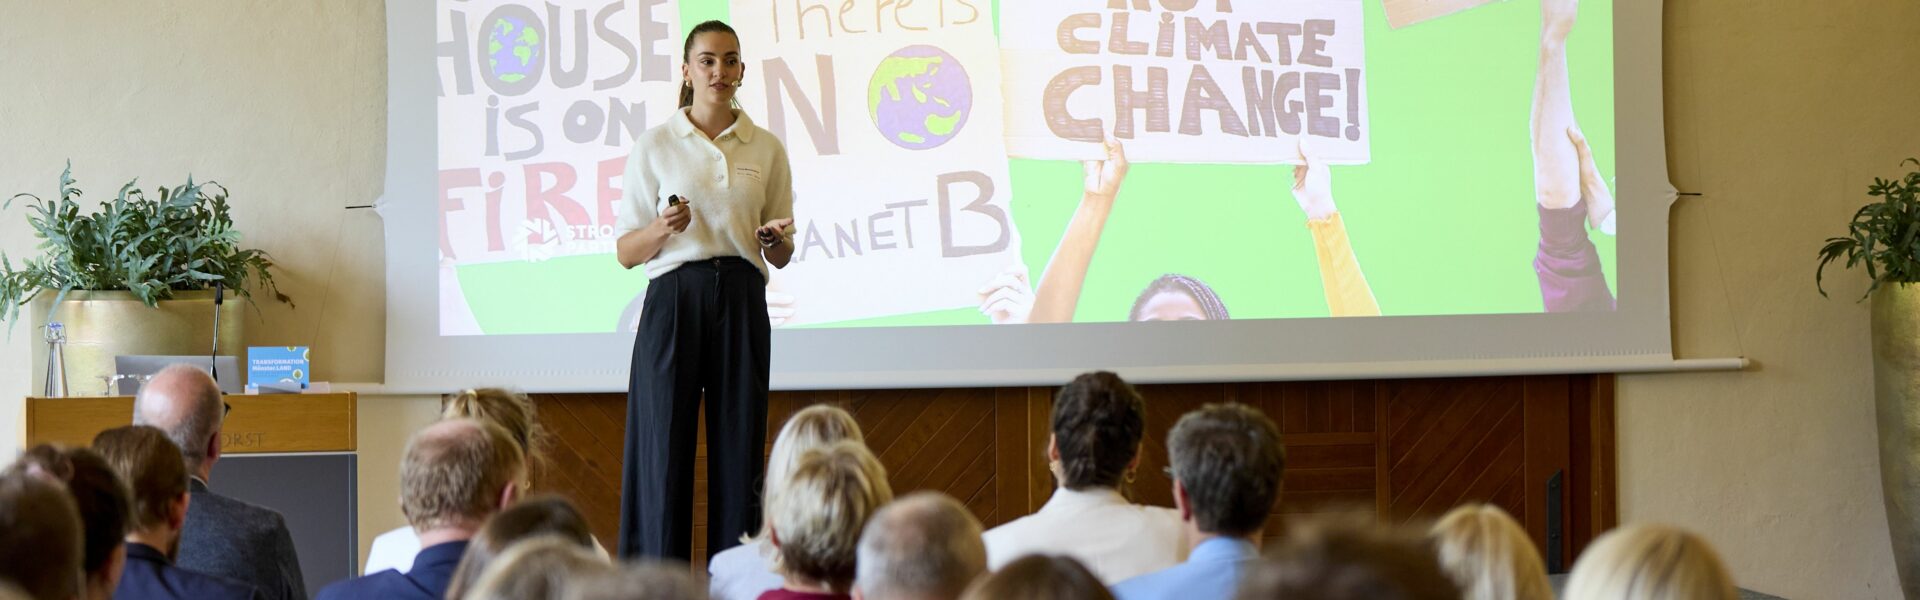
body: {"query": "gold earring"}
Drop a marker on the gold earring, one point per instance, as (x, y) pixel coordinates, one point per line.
(1130, 476)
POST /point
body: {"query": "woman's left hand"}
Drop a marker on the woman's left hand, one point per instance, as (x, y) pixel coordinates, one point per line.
(1312, 185)
(1008, 298)
(774, 232)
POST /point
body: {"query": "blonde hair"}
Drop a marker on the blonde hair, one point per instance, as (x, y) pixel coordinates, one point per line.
(813, 427)
(511, 410)
(542, 567)
(1489, 555)
(1650, 562)
(817, 518)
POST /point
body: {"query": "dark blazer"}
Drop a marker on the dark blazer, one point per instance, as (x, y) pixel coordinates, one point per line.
(428, 580)
(242, 542)
(150, 575)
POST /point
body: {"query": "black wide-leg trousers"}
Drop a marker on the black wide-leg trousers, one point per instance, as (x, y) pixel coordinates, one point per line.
(703, 328)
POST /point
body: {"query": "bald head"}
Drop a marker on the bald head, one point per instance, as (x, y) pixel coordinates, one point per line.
(458, 472)
(184, 402)
(926, 546)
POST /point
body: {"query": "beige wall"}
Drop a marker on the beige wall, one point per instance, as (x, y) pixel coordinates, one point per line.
(1779, 112)
(284, 103)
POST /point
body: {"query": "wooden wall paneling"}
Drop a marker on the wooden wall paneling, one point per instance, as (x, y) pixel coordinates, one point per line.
(1591, 438)
(1407, 450)
(1382, 452)
(584, 446)
(1548, 451)
(1450, 437)
(1328, 429)
(1012, 456)
(1039, 478)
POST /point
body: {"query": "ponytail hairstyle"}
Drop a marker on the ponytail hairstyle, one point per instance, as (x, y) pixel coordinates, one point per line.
(686, 87)
(1209, 301)
(512, 411)
(1097, 423)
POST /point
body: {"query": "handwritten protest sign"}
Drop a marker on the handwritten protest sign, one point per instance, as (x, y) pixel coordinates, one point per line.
(1186, 81)
(538, 107)
(891, 116)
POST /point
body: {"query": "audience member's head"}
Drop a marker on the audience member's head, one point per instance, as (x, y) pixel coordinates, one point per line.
(184, 402)
(156, 475)
(1039, 577)
(639, 581)
(40, 533)
(527, 519)
(1489, 555)
(926, 546)
(1650, 562)
(818, 516)
(1227, 466)
(541, 567)
(457, 473)
(9, 592)
(512, 411)
(813, 427)
(1349, 559)
(104, 507)
(1098, 421)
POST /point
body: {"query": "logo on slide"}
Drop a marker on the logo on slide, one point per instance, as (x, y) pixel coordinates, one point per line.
(919, 97)
(540, 242)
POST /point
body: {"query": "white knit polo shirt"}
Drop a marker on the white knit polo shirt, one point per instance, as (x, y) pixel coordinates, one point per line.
(734, 183)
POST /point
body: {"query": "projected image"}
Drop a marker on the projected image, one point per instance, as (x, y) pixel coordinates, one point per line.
(1063, 161)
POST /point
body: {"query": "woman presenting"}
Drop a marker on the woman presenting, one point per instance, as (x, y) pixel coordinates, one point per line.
(706, 207)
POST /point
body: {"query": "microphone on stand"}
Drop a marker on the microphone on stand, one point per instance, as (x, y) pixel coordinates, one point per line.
(213, 356)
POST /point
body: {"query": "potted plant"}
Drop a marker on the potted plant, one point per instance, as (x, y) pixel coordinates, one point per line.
(136, 276)
(1884, 237)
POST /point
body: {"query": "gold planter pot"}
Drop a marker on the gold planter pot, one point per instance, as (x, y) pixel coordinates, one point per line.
(103, 325)
(1896, 399)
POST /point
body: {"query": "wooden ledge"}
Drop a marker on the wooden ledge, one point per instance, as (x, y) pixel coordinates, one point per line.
(267, 423)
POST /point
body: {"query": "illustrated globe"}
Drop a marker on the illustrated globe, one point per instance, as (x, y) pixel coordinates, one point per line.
(919, 97)
(513, 49)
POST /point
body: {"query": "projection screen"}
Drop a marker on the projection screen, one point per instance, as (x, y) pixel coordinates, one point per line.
(1010, 192)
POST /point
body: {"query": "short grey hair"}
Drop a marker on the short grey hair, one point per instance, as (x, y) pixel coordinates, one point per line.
(183, 401)
(1229, 459)
(924, 546)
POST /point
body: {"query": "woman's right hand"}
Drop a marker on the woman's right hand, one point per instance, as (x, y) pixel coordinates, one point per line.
(675, 218)
(1103, 177)
(1593, 185)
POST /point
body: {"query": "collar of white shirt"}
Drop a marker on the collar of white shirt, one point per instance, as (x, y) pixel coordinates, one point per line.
(742, 125)
(1069, 501)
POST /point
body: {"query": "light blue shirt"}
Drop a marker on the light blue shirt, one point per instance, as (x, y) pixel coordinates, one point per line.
(1211, 572)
